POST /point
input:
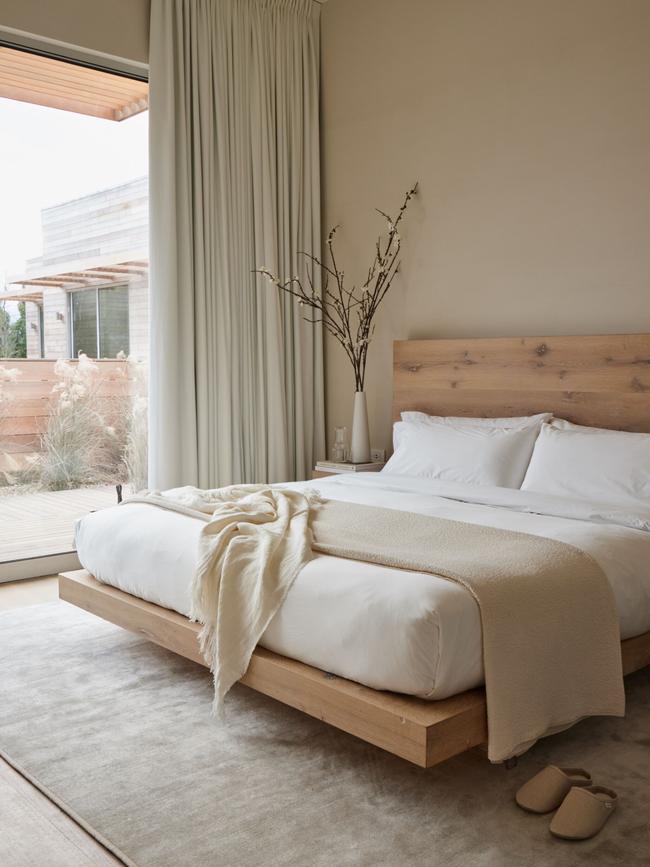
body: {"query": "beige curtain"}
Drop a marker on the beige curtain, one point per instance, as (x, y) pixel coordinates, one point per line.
(236, 385)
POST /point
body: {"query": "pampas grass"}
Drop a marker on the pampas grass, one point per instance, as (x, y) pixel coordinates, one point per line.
(79, 447)
(6, 375)
(137, 432)
(90, 438)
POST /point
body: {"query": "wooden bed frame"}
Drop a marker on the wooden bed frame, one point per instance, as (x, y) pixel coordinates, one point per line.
(602, 381)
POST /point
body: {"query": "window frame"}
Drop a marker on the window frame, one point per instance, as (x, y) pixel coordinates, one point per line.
(96, 290)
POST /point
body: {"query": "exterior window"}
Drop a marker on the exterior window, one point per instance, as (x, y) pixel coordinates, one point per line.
(100, 322)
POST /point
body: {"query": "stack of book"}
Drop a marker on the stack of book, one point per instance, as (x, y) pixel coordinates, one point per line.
(347, 467)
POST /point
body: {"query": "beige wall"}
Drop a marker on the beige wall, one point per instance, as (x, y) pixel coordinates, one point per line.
(116, 27)
(527, 123)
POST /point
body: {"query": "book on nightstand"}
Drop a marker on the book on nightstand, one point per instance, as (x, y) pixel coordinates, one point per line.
(348, 467)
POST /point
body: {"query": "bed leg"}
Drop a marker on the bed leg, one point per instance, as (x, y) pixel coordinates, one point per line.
(511, 763)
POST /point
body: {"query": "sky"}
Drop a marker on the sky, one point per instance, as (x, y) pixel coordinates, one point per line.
(48, 156)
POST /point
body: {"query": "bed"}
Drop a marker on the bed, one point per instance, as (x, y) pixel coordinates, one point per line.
(420, 697)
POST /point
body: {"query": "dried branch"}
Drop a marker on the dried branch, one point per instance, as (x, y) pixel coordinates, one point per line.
(348, 314)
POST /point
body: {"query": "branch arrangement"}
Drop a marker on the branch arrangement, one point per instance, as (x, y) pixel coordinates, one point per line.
(348, 314)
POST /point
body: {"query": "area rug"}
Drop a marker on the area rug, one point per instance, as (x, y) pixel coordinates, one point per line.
(119, 733)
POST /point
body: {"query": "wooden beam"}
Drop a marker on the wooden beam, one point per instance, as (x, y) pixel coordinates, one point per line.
(423, 732)
(66, 278)
(131, 108)
(49, 281)
(35, 297)
(74, 277)
(58, 84)
(50, 100)
(118, 269)
(62, 72)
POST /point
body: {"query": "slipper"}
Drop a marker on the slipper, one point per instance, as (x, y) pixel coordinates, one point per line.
(583, 813)
(547, 789)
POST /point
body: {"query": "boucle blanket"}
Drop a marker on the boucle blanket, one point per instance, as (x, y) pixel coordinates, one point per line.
(551, 644)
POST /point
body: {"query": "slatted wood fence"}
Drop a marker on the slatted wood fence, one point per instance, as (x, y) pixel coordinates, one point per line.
(25, 401)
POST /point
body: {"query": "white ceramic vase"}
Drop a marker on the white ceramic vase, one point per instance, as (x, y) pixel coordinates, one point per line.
(360, 444)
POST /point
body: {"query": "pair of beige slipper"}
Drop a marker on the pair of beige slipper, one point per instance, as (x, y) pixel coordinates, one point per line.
(583, 807)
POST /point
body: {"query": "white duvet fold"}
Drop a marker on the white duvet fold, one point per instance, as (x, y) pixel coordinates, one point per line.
(634, 514)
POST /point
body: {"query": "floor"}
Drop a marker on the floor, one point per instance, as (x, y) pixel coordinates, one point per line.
(33, 591)
(41, 524)
(35, 832)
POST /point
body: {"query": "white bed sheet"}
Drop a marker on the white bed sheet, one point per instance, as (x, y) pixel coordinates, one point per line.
(390, 629)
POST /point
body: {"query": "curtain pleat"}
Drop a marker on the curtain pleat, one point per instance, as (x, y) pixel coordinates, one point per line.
(236, 386)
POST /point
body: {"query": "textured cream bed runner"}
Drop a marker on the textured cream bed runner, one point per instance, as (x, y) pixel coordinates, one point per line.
(551, 644)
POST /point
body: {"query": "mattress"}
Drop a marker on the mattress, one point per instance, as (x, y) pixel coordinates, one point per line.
(389, 629)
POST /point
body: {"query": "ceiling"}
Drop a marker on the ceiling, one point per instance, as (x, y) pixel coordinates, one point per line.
(58, 84)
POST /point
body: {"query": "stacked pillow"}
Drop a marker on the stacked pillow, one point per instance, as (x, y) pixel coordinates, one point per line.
(535, 453)
(476, 451)
(590, 463)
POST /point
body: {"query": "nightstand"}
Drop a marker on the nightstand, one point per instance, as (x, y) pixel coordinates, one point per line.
(320, 474)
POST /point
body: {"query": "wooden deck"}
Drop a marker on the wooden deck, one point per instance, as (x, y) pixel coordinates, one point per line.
(40, 525)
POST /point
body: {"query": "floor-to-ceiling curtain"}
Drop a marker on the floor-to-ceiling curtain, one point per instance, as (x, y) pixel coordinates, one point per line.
(236, 382)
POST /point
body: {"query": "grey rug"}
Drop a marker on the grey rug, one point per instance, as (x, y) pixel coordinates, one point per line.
(118, 731)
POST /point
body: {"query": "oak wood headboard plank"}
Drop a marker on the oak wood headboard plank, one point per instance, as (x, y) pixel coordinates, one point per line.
(599, 380)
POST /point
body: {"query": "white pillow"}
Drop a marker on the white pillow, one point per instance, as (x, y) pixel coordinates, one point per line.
(590, 463)
(506, 423)
(563, 424)
(527, 421)
(462, 453)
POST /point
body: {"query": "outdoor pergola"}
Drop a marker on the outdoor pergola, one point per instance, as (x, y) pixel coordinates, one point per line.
(30, 288)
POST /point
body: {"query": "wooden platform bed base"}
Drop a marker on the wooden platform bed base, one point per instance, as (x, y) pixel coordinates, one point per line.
(423, 732)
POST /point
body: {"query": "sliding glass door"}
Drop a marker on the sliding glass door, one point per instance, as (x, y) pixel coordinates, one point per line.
(74, 284)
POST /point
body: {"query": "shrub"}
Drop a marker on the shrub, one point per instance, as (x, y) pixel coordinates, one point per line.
(9, 465)
(80, 446)
(136, 440)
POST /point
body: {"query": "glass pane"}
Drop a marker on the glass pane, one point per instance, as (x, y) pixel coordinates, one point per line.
(113, 321)
(91, 432)
(84, 323)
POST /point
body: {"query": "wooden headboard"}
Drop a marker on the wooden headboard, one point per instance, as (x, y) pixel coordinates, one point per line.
(601, 380)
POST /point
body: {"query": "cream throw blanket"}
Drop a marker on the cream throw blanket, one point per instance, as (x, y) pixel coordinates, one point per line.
(551, 644)
(255, 541)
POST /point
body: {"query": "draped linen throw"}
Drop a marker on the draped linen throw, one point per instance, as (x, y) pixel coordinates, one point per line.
(255, 542)
(551, 643)
(236, 374)
(551, 639)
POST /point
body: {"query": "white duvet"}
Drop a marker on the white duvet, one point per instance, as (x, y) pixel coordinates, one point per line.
(389, 629)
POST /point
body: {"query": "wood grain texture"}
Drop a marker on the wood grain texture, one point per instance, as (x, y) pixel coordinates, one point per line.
(35, 831)
(636, 653)
(28, 591)
(42, 524)
(423, 732)
(28, 400)
(598, 380)
(45, 81)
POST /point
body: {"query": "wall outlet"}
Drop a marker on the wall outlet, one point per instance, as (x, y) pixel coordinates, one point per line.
(378, 455)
